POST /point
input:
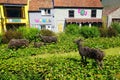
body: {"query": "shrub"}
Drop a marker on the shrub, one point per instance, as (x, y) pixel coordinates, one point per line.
(89, 32)
(7, 36)
(28, 33)
(102, 42)
(103, 32)
(72, 29)
(112, 32)
(46, 32)
(116, 26)
(108, 32)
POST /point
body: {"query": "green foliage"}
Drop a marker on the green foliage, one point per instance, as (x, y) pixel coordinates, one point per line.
(103, 32)
(116, 26)
(59, 66)
(7, 36)
(89, 32)
(34, 64)
(28, 33)
(72, 29)
(103, 43)
(0, 38)
(108, 32)
(112, 32)
(46, 32)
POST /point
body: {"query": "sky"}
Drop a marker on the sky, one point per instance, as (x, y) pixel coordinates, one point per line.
(111, 3)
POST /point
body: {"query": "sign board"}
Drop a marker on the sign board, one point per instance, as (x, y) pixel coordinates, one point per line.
(14, 20)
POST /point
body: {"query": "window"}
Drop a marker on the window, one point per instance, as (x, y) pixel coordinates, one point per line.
(43, 27)
(45, 11)
(14, 12)
(93, 13)
(71, 13)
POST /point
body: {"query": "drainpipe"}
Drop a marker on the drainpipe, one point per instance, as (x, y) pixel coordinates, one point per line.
(1, 22)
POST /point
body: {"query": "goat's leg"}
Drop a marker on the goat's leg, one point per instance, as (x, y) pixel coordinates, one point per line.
(85, 60)
(82, 58)
(99, 64)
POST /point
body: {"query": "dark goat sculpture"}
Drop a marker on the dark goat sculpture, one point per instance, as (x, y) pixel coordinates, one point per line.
(48, 39)
(37, 44)
(86, 52)
(17, 43)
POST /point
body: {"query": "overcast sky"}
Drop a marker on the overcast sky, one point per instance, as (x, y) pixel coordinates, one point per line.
(111, 3)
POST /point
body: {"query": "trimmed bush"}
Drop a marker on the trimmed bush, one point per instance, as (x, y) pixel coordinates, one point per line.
(72, 29)
(116, 26)
(46, 32)
(7, 36)
(112, 32)
(108, 32)
(103, 32)
(28, 33)
(89, 32)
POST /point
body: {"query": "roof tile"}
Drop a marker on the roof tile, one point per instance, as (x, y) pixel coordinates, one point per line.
(37, 4)
(77, 3)
(13, 1)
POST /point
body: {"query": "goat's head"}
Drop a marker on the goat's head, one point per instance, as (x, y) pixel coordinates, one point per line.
(78, 41)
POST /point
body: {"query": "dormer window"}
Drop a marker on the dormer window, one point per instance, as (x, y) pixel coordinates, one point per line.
(45, 12)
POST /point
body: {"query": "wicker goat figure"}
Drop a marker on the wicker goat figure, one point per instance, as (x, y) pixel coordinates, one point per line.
(48, 39)
(86, 52)
(17, 43)
(37, 44)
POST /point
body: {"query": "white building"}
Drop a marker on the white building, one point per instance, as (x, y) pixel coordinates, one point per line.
(112, 15)
(81, 12)
(63, 12)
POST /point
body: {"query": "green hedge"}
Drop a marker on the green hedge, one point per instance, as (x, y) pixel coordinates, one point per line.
(28, 33)
(89, 32)
(116, 26)
(7, 36)
(72, 29)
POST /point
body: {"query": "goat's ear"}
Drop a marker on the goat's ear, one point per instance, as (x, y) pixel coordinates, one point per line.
(76, 40)
(80, 39)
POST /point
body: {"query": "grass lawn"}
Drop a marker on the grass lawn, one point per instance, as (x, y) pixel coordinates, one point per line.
(111, 51)
(64, 66)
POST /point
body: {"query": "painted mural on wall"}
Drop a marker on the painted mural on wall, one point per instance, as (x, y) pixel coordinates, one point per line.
(82, 12)
(42, 20)
(36, 26)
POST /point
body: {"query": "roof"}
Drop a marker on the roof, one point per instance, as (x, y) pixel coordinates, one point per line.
(13, 1)
(37, 4)
(107, 11)
(79, 20)
(77, 3)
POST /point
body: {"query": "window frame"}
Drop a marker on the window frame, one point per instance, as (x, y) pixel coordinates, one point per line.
(71, 13)
(93, 13)
(13, 8)
(45, 11)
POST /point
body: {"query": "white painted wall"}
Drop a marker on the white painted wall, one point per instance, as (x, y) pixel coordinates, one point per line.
(99, 13)
(115, 14)
(60, 14)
